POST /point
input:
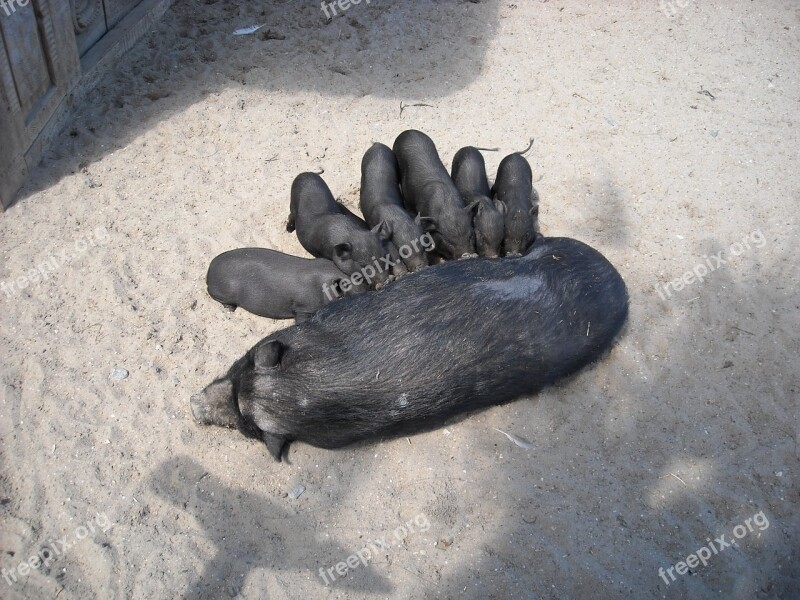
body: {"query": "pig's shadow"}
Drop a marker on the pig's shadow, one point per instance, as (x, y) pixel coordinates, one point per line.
(249, 532)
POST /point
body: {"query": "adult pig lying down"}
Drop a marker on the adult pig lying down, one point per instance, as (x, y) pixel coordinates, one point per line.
(452, 338)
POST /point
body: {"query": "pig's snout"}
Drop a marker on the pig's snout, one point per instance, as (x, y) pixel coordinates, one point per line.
(215, 405)
(197, 402)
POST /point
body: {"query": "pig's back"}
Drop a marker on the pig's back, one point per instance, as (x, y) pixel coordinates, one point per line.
(262, 281)
(460, 335)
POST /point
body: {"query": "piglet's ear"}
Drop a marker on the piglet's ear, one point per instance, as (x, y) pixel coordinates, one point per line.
(267, 355)
(342, 251)
(428, 223)
(500, 205)
(383, 230)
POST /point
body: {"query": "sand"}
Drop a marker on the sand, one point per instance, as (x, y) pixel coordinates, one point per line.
(662, 138)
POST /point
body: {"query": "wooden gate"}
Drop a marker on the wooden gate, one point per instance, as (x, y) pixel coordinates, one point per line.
(48, 48)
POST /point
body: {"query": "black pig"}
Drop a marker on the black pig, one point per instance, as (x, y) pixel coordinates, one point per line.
(513, 189)
(327, 229)
(469, 173)
(274, 285)
(383, 365)
(489, 225)
(429, 192)
(381, 202)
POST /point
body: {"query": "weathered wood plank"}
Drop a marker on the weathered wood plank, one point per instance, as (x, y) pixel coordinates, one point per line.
(29, 121)
(26, 56)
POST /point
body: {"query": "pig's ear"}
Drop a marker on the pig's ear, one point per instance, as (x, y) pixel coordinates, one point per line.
(383, 230)
(215, 404)
(268, 355)
(500, 205)
(471, 206)
(428, 223)
(274, 444)
(342, 251)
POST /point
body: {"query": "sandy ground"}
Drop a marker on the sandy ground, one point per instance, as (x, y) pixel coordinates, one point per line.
(686, 430)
